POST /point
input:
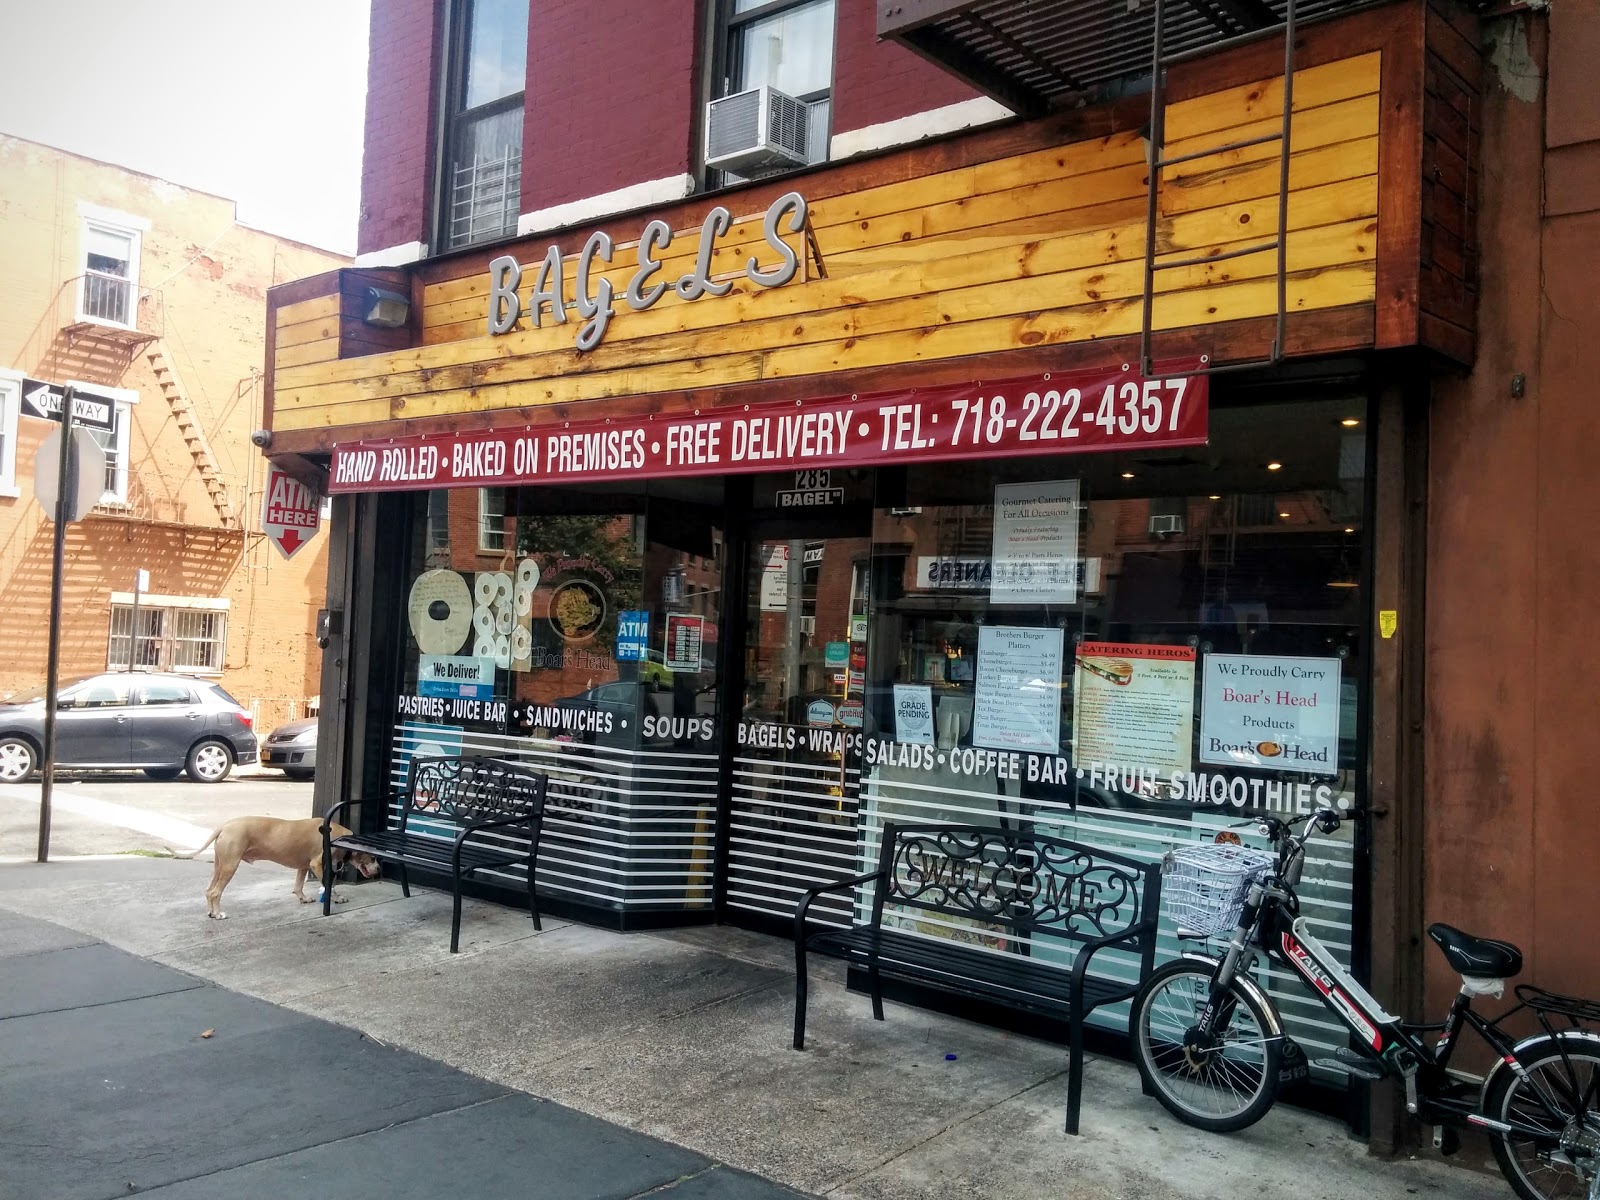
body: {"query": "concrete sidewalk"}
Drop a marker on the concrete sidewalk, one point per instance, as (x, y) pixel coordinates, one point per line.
(126, 1077)
(681, 1036)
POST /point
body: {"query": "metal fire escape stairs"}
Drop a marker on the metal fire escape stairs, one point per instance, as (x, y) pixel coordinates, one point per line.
(1159, 161)
(194, 434)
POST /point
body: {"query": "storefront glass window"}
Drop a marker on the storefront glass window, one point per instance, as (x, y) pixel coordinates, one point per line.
(1131, 651)
(580, 634)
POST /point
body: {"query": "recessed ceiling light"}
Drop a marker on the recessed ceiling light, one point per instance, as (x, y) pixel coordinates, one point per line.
(1213, 497)
(1349, 529)
(1127, 474)
(1274, 466)
(1285, 516)
(1350, 422)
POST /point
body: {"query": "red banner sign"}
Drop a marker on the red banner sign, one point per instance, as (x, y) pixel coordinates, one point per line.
(1054, 413)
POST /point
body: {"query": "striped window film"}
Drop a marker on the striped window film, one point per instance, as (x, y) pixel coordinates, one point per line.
(623, 829)
(793, 826)
(1326, 891)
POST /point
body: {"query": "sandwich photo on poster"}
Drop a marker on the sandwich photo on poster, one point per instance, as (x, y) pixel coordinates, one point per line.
(1133, 706)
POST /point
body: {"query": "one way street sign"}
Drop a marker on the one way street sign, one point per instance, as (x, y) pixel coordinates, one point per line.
(44, 400)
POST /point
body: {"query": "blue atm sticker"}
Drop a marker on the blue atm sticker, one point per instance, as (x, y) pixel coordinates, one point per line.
(633, 636)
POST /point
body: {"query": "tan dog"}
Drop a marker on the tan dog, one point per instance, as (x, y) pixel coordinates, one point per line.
(296, 844)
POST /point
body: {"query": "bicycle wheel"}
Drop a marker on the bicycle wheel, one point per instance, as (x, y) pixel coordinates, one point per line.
(1559, 1092)
(1222, 1083)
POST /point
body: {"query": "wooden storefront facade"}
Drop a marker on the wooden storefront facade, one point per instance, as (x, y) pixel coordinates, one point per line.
(999, 255)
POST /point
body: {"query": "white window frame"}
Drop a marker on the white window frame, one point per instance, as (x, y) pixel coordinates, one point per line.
(10, 407)
(120, 224)
(168, 639)
(491, 538)
(123, 400)
(728, 28)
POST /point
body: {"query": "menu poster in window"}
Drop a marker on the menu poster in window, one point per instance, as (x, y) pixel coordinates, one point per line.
(684, 637)
(1261, 711)
(1035, 550)
(1133, 706)
(913, 713)
(1017, 701)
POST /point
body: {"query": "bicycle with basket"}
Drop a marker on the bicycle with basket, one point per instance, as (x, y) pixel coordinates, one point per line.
(1210, 1043)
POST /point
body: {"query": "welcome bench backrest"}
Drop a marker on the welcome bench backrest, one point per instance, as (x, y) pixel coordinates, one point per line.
(473, 788)
(1029, 883)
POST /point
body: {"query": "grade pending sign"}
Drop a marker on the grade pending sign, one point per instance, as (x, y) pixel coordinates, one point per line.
(1114, 408)
(291, 513)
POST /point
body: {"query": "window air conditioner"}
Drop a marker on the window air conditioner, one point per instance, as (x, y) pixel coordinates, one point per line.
(1164, 523)
(759, 129)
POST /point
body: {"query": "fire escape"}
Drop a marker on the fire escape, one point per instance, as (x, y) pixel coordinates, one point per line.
(1040, 56)
(105, 325)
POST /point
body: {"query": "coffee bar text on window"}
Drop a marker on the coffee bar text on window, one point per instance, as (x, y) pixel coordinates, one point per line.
(594, 298)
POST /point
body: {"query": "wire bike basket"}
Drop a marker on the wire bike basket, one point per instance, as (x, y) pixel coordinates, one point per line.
(1204, 887)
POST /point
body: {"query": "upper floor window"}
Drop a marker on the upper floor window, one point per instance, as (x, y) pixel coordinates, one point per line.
(787, 46)
(109, 280)
(10, 405)
(114, 441)
(482, 185)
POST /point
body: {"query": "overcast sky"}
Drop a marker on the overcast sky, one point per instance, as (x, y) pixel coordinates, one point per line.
(261, 103)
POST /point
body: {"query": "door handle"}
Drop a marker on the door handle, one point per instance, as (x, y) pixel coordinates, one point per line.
(121, 720)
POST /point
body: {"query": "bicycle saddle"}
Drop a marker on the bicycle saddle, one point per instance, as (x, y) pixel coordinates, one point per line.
(1485, 958)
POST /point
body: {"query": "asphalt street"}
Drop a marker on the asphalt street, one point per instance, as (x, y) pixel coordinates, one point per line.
(126, 1077)
(127, 813)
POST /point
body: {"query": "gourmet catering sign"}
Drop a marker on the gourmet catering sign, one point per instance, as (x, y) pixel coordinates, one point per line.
(1055, 413)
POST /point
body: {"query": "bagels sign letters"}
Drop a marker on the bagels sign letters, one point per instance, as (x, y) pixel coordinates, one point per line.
(1055, 413)
(593, 299)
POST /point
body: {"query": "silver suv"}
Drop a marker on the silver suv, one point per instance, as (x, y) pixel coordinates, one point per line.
(162, 724)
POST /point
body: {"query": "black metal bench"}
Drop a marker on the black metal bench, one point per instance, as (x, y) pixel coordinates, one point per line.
(1020, 889)
(454, 802)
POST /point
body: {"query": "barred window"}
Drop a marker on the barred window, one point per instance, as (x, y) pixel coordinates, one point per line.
(482, 185)
(190, 637)
(110, 274)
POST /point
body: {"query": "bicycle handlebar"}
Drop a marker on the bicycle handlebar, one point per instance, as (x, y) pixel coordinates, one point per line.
(1326, 819)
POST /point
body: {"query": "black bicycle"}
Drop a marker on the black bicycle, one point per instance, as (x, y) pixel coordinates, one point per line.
(1211, 1046)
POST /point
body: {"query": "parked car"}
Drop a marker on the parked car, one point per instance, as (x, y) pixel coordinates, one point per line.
(292, 748)
(161, 724)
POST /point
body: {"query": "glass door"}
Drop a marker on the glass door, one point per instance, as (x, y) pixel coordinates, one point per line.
(795, 777)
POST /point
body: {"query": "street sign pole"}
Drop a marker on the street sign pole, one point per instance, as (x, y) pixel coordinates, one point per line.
(133, 640)
(65, 492)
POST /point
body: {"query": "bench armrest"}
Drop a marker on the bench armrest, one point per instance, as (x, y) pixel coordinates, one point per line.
(327, 819)
(838, 885)
(477, 826)
(1080, 965)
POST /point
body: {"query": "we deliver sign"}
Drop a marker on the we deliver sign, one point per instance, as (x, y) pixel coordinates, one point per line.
(292, 512)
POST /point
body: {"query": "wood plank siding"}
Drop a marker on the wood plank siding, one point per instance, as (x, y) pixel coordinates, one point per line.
(1022, 245)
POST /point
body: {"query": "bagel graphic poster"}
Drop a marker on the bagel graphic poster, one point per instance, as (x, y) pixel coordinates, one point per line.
(1259, 711)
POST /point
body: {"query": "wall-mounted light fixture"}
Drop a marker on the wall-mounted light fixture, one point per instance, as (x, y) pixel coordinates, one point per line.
(386, 310)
